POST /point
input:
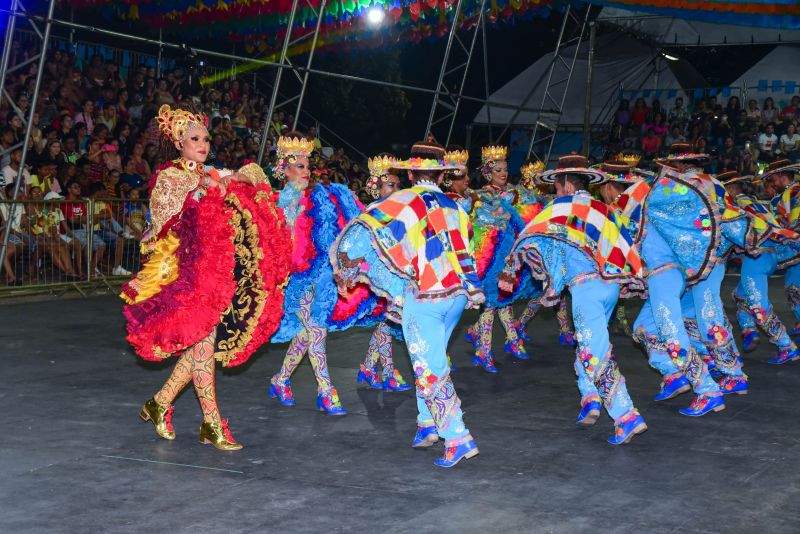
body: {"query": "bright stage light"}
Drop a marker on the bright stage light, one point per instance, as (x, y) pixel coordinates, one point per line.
(375, 15)
(669, 57)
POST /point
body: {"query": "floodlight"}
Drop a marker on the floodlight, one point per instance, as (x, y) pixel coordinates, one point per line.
(669, 57)
(375, 15)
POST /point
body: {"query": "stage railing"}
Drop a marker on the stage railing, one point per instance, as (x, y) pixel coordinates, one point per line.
(76, 243)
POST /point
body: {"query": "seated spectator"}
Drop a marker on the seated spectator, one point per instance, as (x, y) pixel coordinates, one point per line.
(110, 157)
(674, 136)
(134, 215)
(639, 113)
(791, 111)
(678, 115)
(45, 222)
(86, 115)
(651, 144)
(631, 139)
(45, 178)
(107, 230)
(767, 144)
(16, 238)
(769, 114)
(729, 156)
(659, 126)
(75, 226)
(130, 179)
(11, 171)
(6, 142)
(312, 134)
(790, 143)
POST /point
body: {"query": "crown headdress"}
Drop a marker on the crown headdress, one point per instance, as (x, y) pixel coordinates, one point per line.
(632, 160)
(174, 123)
(380, 165)
(459, 157)
(529, 172)
(493, 153)
(294, 146)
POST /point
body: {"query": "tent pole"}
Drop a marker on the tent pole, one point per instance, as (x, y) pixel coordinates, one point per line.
(587, 108)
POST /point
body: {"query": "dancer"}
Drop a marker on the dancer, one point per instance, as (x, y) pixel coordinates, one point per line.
(577, 242)
(414, 248)
(780, 177)
(496, 225)
(210, 289)
(382, 182)
(660, 325)
(312, 306)
(751, 294)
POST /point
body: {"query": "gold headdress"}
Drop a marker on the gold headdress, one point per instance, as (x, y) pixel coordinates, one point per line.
(529, 173)
(458, 158)
(492, 153)
(294, 146)
(632, 160)
(174, 123)
(379, 168)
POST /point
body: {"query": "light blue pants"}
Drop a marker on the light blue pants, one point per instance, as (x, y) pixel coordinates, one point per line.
(660, 327)
(427, 327)
(791, 282)
(754, 308)
(713, 324)
(599, 377)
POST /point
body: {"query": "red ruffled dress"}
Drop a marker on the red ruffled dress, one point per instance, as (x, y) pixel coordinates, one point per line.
(213, 264)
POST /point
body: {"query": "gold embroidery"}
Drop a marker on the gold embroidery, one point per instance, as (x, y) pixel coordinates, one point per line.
(255, 173)
(160, 269)
(170, 192)
(249, 297)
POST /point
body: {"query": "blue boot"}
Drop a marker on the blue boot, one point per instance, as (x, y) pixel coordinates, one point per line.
(487, 362)
(425, 437)
(627, 428)
(470, 337)
(395, 382)
(282, 391)
(589, 414)
(750, 339)
(784, 356)
(672, 387)
(734, 384)
(453, 455)
(702, 404)
(516, 349)
(370, 377)
(794, 331)
(567, 340)
(521, 331)
(330, 404)
(712, 369)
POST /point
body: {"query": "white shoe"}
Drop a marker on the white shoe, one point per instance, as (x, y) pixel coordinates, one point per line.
(119, 270)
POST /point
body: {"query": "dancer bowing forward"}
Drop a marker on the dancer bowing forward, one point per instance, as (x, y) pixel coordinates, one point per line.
(210, 289)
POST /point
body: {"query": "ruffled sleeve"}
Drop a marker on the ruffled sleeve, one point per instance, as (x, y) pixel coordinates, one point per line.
(169, 194)
(255, 173)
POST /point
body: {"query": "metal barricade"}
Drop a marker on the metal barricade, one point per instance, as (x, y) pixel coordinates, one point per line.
(66, 242)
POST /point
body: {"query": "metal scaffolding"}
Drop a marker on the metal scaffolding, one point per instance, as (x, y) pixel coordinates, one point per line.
(18, 10)
(454, 71)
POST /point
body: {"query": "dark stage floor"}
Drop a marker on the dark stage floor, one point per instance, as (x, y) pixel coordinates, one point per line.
(76, 458)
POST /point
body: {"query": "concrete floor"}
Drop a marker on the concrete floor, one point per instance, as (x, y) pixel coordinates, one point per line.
(75, 457)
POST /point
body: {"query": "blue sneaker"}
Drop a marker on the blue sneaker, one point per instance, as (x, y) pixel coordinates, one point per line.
(672, 387)
(589, 414)
(750, 339)
(624, 431)
(453, 455)
(734, 384)
(425, 437)
(702, 404)
(785, 356)
(516, 349)
(487, 362)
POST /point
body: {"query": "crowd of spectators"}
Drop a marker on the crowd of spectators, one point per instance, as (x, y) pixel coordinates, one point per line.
(95, 136)
(737, 137)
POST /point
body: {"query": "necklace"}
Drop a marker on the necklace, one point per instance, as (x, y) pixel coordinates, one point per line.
(426, 183)
(580, 192)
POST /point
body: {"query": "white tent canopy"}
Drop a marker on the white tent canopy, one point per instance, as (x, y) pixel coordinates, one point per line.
(673, 31)
(620, 62)
(779, 66)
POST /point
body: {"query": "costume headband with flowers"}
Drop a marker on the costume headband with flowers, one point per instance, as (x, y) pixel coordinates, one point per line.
(458, 158)
(174, 123)
(379, 170)
(530, 172)
(289, 149)
(490, 155)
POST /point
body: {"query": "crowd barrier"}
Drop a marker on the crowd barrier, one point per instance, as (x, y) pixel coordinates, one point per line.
(64, 242)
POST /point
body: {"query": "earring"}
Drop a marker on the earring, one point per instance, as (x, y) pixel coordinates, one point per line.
(447, 182)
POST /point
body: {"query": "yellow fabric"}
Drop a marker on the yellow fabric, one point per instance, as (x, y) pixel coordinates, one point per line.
(160, 269)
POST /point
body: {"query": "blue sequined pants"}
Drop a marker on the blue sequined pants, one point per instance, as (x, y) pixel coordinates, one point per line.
(427, 327)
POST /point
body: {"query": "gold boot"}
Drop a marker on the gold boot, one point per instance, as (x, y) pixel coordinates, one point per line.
(160, 416)
(219, 436)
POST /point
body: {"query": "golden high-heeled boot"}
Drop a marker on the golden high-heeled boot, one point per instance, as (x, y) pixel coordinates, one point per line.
(218, 435)
(160, 416)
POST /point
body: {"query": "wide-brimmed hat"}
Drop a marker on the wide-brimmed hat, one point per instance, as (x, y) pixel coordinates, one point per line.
(623, 172)
(779, 166)
(733, 177)
(574, 164)
(682, 152)
(426, 156)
